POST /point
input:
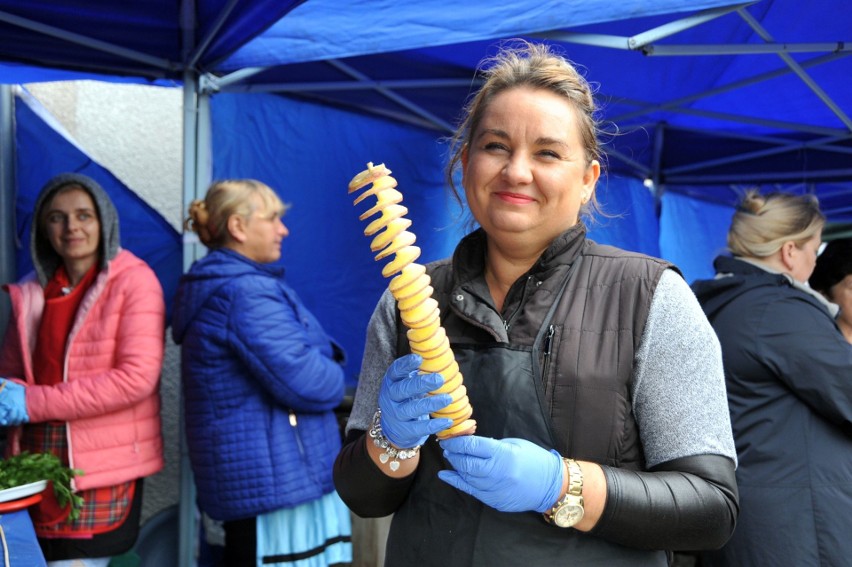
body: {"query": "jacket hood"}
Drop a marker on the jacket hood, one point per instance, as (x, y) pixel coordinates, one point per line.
(205, 277)
(45, 258)
(734, 277)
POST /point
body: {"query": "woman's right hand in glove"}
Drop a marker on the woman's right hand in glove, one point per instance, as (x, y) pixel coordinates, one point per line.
(405, 403)
(13, 403)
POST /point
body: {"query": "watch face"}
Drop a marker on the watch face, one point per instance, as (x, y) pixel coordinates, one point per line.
(568, 515)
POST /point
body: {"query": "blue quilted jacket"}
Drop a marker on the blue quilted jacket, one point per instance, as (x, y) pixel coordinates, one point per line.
(260, 382)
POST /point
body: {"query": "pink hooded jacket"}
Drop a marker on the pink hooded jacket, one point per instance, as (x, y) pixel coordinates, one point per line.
(110, 390)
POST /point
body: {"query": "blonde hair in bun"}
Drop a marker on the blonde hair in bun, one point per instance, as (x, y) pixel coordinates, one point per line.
(209, 217)
(763, 223)
(197, 221)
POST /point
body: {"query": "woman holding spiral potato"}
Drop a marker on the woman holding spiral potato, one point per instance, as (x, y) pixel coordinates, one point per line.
(602, 430)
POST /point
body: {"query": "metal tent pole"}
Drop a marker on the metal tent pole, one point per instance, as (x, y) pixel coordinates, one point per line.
(7, 196)
(197, 172)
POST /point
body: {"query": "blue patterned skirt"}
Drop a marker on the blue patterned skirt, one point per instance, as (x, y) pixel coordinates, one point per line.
(314, 534)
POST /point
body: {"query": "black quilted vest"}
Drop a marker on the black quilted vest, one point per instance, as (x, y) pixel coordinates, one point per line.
(588, 354)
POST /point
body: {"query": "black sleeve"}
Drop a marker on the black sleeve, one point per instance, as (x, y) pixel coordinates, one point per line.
(686, 504)
(365, 489)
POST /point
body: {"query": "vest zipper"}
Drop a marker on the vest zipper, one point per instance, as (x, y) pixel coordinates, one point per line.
(548, 343)
(508, 322)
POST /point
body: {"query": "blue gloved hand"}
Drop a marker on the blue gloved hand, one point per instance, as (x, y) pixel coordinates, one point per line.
(510, 475)
(406, 406)
(13, 405)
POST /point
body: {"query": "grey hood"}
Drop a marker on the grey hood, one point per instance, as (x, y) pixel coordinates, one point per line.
(45, 258)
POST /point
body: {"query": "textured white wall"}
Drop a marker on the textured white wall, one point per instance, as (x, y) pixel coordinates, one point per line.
(134, 131)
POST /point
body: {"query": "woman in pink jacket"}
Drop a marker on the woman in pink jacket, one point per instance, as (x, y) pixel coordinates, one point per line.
(82, 358)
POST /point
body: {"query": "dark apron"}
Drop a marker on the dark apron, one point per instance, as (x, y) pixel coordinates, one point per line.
(443, 527)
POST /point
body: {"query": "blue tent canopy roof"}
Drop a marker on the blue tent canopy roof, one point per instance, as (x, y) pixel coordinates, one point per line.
(330, 29)
(693, 93)
(164, 38)
(152, 39)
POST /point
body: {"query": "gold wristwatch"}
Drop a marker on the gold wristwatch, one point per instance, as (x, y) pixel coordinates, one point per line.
(569, 510)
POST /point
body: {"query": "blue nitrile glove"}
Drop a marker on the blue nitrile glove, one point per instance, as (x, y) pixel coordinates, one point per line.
(406, 406)
(13, 405)
(510, 475)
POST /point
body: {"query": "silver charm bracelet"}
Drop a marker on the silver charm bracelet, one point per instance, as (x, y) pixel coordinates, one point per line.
(392, 454)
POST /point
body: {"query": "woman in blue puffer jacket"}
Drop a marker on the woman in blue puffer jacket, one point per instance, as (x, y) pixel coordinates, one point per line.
(261, 380)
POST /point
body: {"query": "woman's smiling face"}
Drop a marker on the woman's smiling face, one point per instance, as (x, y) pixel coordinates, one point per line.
(525, 172)
(73, 227)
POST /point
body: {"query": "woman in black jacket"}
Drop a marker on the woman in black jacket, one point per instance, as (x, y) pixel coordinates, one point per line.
(789, 379)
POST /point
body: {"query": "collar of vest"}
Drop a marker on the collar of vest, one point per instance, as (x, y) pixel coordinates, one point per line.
(469, 257)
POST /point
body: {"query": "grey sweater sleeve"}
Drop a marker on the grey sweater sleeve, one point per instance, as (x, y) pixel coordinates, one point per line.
(679, 396)
(687, 499)
(380, 352)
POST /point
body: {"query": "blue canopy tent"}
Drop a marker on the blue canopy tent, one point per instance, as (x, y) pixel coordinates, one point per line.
(699, 107)
(700, 99)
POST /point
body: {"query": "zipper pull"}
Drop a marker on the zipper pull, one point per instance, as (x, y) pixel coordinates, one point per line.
(545, 363)
(293, 421)
(548, 340)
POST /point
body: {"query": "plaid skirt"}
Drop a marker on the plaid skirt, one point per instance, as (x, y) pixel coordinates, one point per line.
(104, 509)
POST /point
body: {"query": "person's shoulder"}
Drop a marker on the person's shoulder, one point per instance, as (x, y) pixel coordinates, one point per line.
(626, 260)
(442, 265)
(124, 258)
(26, 287)
(619, 254)
(673, 288)
(236, 271)
(253, 285)
(126, 265)
(29, 279)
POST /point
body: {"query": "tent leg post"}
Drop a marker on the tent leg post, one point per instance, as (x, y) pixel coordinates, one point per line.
(196, 175)
(7, 195)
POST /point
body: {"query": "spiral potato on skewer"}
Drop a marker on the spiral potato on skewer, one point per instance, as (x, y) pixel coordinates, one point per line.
(410, 287)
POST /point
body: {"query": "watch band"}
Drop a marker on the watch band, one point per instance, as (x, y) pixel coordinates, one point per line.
(575, 488)
(575, 477)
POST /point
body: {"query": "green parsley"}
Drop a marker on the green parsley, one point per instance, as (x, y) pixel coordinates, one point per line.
(25, 468)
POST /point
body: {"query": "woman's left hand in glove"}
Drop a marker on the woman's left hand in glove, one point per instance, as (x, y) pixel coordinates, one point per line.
(510, 475)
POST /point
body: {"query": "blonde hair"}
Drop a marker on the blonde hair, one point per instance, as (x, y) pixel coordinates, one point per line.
(209, 217)
(524, 64)
(763, 223)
